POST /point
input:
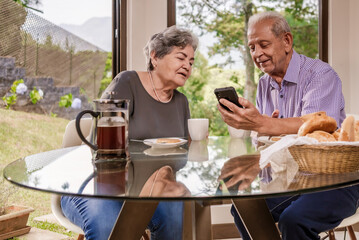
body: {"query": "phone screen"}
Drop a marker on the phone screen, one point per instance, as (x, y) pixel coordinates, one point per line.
(228, 93)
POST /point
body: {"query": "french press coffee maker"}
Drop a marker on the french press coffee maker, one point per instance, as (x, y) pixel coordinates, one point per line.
(109, 136)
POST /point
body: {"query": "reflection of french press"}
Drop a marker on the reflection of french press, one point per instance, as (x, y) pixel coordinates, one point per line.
(111, 177)
(110, 127)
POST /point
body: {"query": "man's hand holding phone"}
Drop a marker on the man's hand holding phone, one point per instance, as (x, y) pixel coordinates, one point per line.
(228, 93)
(242, 114)
(239, 172)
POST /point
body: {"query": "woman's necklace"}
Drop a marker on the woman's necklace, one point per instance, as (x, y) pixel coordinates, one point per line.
(154, 89)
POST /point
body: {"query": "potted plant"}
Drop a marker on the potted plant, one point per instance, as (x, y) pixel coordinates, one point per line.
(13, 218)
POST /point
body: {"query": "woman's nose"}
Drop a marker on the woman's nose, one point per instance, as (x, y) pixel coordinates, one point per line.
(186, 65)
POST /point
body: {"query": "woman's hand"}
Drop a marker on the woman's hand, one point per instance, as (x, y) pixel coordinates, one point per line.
(162, 183)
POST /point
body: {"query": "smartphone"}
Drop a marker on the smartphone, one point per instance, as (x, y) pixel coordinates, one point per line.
(228, 93)
(231, 190)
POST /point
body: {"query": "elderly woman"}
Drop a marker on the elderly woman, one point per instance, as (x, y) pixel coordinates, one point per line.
(157, 109)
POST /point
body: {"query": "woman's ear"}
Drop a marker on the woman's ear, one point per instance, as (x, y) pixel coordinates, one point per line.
(153, 59)
(288, 42)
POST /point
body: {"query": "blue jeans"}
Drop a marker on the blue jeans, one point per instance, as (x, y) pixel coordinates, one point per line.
(97, 217)
(304, 216)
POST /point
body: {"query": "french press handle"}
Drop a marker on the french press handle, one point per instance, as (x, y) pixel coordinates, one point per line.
(78, 129)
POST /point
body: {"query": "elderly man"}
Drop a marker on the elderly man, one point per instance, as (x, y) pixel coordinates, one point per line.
(293, 85)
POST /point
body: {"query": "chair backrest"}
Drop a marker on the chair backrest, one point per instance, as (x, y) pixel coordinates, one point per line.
(71, 138)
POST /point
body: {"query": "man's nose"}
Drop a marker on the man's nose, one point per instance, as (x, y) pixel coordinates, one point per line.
(257, 52)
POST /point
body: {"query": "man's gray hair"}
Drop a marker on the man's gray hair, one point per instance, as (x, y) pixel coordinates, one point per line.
(279, 26)
(162, 43)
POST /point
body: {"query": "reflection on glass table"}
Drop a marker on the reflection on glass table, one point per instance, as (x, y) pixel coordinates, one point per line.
(214, 169)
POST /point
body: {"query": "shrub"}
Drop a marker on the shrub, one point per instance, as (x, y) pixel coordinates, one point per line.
(66, 100)
(11, 97)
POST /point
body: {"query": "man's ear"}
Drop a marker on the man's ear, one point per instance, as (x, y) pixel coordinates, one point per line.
(288, 42)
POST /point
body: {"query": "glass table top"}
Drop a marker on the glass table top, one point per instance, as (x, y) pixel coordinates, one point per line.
(190, 171)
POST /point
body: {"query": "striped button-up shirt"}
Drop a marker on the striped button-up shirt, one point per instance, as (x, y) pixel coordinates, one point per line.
(309, 85)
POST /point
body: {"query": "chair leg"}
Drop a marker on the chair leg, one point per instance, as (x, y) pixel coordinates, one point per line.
(351, 232)
(81, 237)
(331, 235)
(146, 235)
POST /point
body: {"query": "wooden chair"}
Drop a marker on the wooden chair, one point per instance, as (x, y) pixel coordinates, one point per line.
(349, 221)
(347, 224)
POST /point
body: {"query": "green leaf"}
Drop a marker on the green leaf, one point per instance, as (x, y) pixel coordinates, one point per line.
(35, 96)
(65, 101)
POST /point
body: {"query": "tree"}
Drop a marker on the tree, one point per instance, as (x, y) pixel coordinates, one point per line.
(106, 75)
(228, 19)
(29, 4)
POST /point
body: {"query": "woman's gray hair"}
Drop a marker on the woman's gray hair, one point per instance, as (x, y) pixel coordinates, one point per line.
(162, 43)
(279, 26)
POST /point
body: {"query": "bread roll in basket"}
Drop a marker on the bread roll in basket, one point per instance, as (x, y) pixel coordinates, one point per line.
(335, 156)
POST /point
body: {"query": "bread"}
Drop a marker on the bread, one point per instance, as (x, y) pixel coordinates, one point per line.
(322, 127)
(275, 139)
(356, 128)
(311, 115)
(347, 132)
(168, 140)
(317, 121)
(322, 136)
(336, 134)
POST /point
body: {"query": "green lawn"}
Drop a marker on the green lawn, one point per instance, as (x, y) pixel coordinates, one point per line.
(22, 134)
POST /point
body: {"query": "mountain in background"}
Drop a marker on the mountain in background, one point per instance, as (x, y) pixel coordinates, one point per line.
(95, 30)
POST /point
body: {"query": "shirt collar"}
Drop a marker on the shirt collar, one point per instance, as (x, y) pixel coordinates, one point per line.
(292, 71)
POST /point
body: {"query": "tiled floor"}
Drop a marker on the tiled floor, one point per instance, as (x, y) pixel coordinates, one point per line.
(221, 214)
(38, 234)
(338, 235)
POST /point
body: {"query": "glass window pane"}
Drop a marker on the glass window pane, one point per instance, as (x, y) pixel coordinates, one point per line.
(64, 44)
(223, 58)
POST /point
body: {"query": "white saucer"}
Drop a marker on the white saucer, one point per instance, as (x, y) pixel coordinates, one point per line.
(164, 151)
(153, 143)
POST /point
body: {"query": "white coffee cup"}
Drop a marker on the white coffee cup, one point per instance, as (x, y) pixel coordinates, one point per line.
(198, 128)
(238, 133)
(236, 147)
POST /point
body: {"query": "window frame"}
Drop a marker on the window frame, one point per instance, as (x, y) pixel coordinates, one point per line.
(119, 31)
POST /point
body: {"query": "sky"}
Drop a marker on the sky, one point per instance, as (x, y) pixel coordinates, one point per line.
(74, 11)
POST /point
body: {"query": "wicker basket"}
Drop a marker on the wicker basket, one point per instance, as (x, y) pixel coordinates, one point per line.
(326, 159)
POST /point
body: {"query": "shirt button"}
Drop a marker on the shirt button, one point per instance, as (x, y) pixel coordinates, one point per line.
(281, 96)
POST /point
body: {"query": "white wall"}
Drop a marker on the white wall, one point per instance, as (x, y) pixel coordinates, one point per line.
(344, 48)
(354, 55)
(144, 18)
